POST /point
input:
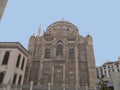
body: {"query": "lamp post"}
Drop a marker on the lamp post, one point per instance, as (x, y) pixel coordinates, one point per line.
(31, 85)
(86, 87)
(63, 86)
(49, 86)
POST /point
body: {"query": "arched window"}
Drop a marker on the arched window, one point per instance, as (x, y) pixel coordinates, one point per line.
(71, 53)
(2, 74)
(18, 60)
(22, 66)
(19, 80)
(47, 53)
(6, 57)
(59, 49)
(14, 78)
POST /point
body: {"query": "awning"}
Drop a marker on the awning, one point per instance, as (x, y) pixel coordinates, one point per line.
(109, 84)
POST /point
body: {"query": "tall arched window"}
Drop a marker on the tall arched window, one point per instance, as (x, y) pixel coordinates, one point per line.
(2, 74)
(19, 80)
(22, 66)
(6, 57)
(71, 53)
(59, 49)
(47, 53)
(18, 60)
(14, 78)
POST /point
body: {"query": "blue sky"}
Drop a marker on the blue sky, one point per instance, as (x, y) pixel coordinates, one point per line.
(99, 18)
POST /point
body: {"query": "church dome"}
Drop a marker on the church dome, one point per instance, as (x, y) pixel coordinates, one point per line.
(62, 25)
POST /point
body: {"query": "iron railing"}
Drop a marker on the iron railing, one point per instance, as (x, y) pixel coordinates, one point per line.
(31, 87)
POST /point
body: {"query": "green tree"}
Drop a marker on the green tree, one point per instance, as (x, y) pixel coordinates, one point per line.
(102, 83)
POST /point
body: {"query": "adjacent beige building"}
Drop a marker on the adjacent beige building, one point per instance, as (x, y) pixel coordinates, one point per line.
(13, 59)
(111, 71)
(108, 68)
(116, 80)
(61, 56)
(2, 7)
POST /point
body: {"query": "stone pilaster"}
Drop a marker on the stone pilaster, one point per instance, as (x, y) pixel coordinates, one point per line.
(91, 62)
(52, 82)
(77, 66)
(64, 73)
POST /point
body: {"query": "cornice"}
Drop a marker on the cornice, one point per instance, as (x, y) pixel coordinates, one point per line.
(14, 45)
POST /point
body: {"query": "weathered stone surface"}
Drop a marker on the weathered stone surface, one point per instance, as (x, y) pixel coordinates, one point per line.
(63, 57)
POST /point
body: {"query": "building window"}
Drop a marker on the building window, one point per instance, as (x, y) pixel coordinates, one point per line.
(47, 53)
(117, 66)
(105, 72)
(59, 49)
(2, 74)
(109, 74)
(18, 60)
(6, 57)
(14, 78)
(71, 53)
(22, 66)
(20, 78)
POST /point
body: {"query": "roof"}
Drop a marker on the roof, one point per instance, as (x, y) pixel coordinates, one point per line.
(62, 23)
(111, 62)
(14, 45)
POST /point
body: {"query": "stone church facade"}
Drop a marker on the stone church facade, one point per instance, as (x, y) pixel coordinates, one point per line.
(61, 56)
